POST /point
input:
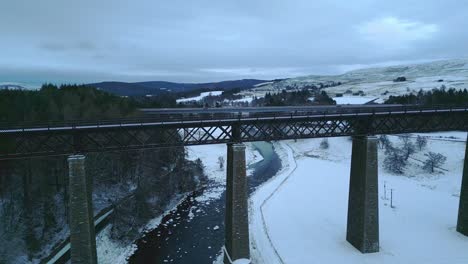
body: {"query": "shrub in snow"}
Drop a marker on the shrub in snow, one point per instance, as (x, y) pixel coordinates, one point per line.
(421, 142)
(433, 160)
(389, 147)
(395, 161)
(400, 79)
(384, 142)
(221, 162)
(324, 144)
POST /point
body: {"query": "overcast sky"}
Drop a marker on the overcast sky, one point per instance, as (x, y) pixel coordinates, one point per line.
(202, 40)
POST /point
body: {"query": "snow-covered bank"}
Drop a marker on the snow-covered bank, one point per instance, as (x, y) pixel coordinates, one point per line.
(304, 212)
(209, 155)
(262, 247)
(113, 252)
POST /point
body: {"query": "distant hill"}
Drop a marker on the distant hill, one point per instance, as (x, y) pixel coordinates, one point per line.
(379, 82)
(12, 87)
(156, 87)
(450, 72)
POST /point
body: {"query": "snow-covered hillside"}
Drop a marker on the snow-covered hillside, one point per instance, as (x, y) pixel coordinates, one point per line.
(18, 86)
(378, 82)
(300, 215)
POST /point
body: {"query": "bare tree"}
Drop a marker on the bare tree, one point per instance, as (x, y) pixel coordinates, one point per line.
(405, 138)
(408, 149)
(433, 160)
(421, 142)
(395, 160)
(384, 142)
(221, 162)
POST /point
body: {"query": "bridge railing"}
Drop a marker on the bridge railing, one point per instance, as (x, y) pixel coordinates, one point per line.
(207, 115)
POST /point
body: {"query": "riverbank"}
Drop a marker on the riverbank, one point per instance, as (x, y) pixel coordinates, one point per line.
(193, 232)
(110, 251)
(263, 249)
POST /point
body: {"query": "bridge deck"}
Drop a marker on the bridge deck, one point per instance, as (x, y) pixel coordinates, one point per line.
(179, 127)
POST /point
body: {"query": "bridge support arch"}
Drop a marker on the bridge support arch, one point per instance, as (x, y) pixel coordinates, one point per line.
(82, 234)
(462, 223)
(237, 218)
(363, 204)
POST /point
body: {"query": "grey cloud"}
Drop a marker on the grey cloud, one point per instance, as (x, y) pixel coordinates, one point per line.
(57, 46)
(53, 40)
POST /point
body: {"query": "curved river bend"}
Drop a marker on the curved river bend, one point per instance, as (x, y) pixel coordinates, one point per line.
(194, 231)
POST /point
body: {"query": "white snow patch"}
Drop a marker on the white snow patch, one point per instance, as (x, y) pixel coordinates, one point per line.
(241, 261)
(244, 100)
(252, 156)
(353, 99)
(200, 97)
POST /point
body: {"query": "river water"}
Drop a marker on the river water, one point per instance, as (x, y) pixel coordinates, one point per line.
(194, 231)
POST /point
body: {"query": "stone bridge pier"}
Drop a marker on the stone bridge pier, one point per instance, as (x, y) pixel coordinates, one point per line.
(462, 223)
(237, 214)
(363, 204)
(82, 234)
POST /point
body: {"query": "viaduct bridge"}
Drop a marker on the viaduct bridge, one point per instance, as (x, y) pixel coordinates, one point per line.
(159, 128)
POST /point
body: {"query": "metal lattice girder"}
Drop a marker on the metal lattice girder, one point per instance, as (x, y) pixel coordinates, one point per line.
(34, 142)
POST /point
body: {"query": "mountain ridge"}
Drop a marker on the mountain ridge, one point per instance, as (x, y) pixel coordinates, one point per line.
(157, 87)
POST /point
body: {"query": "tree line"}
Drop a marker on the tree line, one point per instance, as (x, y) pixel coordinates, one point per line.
(34, 192)
(64, 102)
(441, 96)
(302, 97)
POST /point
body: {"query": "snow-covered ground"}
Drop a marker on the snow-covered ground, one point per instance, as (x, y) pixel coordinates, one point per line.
(300, 215)
(200, 97)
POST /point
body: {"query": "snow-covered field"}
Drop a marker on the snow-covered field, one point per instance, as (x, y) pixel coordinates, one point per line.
(378, 82)
(200, 97)
(300, 215)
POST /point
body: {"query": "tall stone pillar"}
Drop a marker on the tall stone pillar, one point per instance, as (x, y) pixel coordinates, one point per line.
(462, 224)
(363, 204)
(82, 236)
(237, 218)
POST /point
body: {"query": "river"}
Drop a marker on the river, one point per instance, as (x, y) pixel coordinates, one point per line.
(194, 231)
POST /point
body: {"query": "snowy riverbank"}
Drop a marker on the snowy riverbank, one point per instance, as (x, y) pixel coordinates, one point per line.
(300, 215)
(110, 251)
(113, 252)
